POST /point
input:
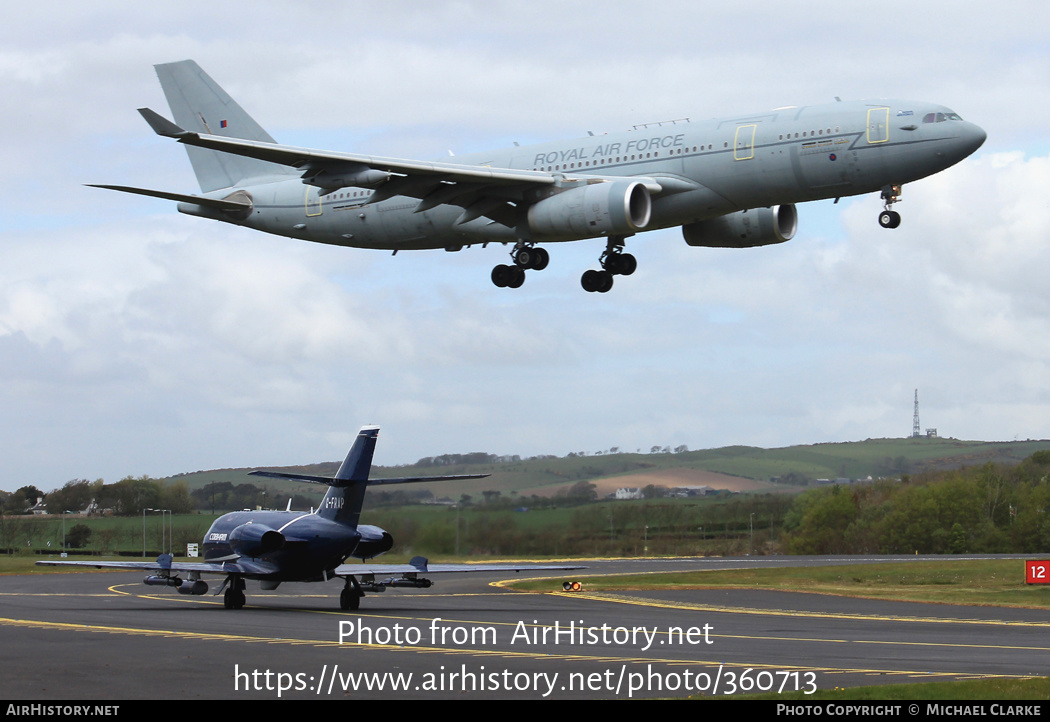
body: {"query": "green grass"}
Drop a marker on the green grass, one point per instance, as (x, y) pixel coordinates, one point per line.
(109, 534)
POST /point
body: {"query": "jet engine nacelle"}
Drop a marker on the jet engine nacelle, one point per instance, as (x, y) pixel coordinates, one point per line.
(252, 540)
(596, 209)
(744, 229)
(374, 541)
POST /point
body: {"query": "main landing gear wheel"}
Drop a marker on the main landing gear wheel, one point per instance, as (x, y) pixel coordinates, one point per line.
(233, 599)
(350, 596)
(621, 264)
(505, 276)
(614, 263)
(348, 600)
(889, 219)
(525, 257)
(596, 281)
(532, 257)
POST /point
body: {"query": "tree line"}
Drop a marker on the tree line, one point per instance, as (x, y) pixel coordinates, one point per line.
(127, 497)
(985, 509)
(992, 508)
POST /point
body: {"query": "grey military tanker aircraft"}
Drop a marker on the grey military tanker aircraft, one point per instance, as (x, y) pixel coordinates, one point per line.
(729, 182)
(286, 546)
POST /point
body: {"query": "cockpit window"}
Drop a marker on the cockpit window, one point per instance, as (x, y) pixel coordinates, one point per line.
(940, 117)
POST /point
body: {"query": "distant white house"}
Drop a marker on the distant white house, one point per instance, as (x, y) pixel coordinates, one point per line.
(629, 493)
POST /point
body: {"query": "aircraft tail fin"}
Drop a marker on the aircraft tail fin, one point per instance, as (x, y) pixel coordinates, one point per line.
(346, 495)
(201, 106)
(346, 490)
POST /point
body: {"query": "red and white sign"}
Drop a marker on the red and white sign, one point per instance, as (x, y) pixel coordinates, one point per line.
(1037, 572)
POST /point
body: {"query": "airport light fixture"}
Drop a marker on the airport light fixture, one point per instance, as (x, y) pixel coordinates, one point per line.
(144, 510)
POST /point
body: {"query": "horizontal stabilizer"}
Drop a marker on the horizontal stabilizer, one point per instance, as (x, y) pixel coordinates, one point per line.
(219, 204)
(332, 481)
(161, 125)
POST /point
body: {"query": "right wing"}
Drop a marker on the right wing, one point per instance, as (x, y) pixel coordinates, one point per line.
(219, 204)
(163, 563)
(420, 565)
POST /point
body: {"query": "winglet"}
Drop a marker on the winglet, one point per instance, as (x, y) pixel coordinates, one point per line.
(161, 125)
(419, 563)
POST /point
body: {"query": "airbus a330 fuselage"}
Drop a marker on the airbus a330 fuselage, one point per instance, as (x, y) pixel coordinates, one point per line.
(730, 182)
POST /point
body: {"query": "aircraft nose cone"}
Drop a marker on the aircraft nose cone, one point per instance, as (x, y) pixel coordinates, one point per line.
(974, 138)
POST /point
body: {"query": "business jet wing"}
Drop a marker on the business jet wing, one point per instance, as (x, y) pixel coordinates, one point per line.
(250, 568)
(163, 563)
(420, 565)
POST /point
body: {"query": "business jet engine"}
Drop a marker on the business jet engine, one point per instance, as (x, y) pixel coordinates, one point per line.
(253, 540)
(373, 542)
(744, 229)
(617, 208)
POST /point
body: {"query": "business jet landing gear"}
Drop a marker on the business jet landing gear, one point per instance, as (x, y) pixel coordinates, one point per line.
(525, 256)
(614, 262)
(350, 597)
(890, 218)
(233, 597)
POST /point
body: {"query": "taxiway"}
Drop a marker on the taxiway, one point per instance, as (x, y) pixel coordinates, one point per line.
(106, 636)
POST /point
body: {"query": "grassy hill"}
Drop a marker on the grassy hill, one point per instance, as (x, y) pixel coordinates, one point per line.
(742, 468)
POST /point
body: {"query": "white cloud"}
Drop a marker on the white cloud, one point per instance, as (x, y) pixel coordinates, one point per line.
(139, 341)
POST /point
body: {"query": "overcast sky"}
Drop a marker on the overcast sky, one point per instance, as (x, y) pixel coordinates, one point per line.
(135, 340)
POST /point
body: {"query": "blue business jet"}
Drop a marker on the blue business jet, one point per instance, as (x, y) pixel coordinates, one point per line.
(287, 546)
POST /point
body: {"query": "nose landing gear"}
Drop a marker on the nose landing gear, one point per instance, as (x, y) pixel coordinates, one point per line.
(890, 218)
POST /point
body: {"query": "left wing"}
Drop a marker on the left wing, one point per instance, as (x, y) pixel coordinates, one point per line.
(479, 190)
(496, 193)
(315, 161)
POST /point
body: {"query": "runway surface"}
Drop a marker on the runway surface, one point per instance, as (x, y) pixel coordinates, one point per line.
(106, 636)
